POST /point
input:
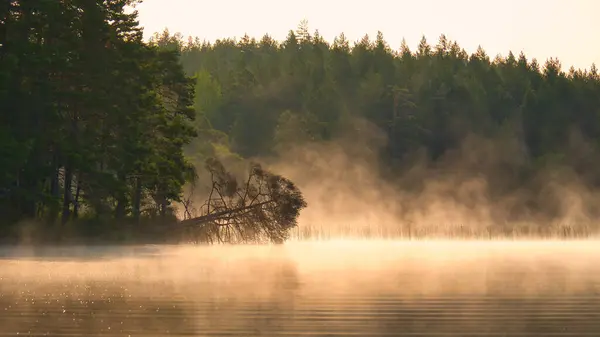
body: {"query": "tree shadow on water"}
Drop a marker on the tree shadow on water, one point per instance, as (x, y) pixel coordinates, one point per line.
(76, 253)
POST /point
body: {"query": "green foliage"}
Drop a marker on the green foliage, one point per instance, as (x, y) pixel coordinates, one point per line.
(93, 119)
(95, 122)
(280, 94)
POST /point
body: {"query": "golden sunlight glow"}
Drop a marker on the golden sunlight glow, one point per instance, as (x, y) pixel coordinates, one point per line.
(540, 28)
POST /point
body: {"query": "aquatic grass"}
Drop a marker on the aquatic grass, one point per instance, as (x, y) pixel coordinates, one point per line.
(456, 231)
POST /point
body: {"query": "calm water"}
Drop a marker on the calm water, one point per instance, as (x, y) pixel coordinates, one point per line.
(321, 289)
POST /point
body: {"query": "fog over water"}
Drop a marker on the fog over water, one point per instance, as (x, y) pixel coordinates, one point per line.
(366, 259)
(363, 261)
(322, 288)
(447, 194)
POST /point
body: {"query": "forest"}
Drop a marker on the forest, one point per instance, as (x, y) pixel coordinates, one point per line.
(99, 128)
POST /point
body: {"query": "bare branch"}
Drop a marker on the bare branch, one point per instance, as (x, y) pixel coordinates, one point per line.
(265, 208)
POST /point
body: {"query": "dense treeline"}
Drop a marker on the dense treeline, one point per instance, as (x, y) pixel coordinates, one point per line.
(92, 119)
(264, 95)
(93, 126)
(252, 90)
(94, 122)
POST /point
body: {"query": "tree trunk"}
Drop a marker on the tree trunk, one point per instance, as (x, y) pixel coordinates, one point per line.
(120, 209)
(163, 207)
(137, 197)
(55, 193)
(66, 209)
(27, 202)
(76, 200)
(121, 201)
(223, 214)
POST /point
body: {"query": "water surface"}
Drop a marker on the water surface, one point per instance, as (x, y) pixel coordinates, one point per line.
(368, 288)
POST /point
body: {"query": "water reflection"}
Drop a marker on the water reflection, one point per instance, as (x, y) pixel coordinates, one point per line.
(322, 289)
(53, 253)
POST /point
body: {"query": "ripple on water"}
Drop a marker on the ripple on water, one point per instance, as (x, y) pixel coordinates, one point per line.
(311, 288)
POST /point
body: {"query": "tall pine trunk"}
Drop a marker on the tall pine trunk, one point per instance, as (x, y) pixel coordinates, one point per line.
(54, 208)
(66, 209)
(121, 197)
(76, 200)
(137, 199)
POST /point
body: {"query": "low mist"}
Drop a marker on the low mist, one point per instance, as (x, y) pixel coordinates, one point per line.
(486, 187)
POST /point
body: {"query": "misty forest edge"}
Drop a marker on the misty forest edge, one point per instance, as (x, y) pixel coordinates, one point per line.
(102, 132)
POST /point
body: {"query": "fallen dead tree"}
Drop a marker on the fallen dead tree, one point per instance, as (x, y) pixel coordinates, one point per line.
(262, 209)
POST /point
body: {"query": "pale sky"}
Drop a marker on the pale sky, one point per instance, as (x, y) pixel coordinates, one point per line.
(567, 29)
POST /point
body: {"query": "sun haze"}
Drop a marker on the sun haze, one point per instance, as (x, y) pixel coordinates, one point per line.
(539, 28)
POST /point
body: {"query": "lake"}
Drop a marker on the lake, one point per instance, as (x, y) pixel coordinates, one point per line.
(317, 288)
